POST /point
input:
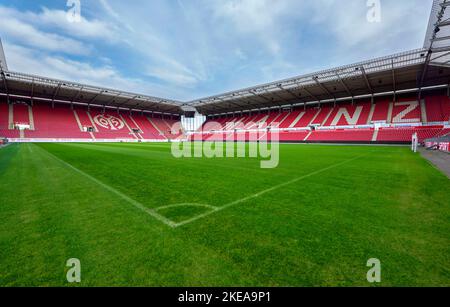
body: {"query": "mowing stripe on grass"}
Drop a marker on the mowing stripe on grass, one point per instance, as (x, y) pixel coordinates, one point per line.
(256, 195)
(187, 205)
(131, 201)
(154, 212)
(160, 155)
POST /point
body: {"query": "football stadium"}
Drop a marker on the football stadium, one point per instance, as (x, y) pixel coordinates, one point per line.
(105, 187)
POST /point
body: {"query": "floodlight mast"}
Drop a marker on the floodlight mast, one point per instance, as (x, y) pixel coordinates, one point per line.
(438, 26)
(437, 39)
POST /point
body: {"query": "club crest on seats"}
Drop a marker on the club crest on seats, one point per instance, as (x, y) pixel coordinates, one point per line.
(109, 122)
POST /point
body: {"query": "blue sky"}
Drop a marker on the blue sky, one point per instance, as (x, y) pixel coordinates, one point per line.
(188, 49)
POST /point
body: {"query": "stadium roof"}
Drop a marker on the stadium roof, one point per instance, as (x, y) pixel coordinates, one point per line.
(438, 32)
(394, 73)
(385, 74)
(30, 87)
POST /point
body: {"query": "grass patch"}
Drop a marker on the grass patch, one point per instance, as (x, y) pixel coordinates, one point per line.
(388, 204)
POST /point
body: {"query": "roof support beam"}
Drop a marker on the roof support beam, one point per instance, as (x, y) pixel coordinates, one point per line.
(252, 99)
(261, 96)
(95, 97)
(172, 109)
(394, 86)
(441, 56)
(445, 4)
(259, 106)
(275, 94)
(215, 107)
(316, 79)
(32, 91)
(55, 93)
(289, 92)
(310, 94)
(76, 95)
(344, 85)
(236, 105)
(152, 103)
(114, 98)
(441, 65)
(424, 72)
(440, 49)
(231, 103)
(443, 23)
(6, 85)
(128, 100)
(366, 79)
(443, 38)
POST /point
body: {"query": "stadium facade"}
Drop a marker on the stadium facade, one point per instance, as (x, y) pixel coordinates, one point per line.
(384, 100)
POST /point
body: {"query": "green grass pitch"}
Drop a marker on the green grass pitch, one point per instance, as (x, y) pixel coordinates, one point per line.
(114, 207)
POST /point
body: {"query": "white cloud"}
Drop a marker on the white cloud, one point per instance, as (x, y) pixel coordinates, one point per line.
(85, 28)
(240, 54)
(280, 26)
(156, 36)
(16, 29)
(111, 12)
(27, 39)
(348, 22)
(170, 76)
(254, 17)
(27, 60)
(191, 48)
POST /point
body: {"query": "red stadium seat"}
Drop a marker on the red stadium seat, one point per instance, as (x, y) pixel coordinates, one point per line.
(345, 135)
(352, 122)
(62, 122)
(437, 108)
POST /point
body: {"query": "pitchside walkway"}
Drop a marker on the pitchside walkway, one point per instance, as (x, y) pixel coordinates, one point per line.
(439, 159)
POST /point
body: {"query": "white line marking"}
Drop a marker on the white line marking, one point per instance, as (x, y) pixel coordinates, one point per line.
(172, 224)
(30, 148)
(186, 205)
(265, 192)
(131, 201)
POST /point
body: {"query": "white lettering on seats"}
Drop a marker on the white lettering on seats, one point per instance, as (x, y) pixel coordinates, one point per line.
(351, 120)
(400, 117)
